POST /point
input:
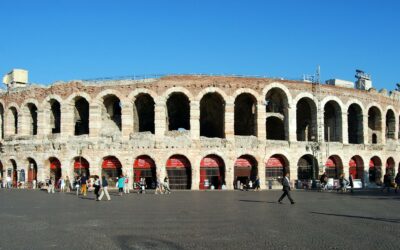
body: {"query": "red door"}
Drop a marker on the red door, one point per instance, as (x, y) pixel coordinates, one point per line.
(211, 172)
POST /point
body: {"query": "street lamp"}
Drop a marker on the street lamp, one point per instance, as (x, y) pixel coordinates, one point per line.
(314, 146)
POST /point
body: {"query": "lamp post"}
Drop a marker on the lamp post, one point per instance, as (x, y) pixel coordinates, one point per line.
(314, 147)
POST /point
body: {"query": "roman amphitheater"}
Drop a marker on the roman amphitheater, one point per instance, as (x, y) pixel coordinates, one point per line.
(203, 132)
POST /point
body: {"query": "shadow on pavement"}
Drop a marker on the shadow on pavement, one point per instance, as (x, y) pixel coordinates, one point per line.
(143, 242)
(360, 217)
(258, 201)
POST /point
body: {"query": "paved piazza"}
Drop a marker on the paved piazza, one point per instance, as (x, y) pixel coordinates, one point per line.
(200, 220)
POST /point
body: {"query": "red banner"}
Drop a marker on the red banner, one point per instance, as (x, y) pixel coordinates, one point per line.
(275, 162)
(55, 164)
(243, 163)
(330, 163)
(177, 162)
(210, 162)
(144, 162)
(78, 164)
(111, 162)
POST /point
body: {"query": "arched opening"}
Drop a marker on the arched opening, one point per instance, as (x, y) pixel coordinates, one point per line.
(276, 109)
(55, 116)
(390, 124)
(334, 167)
(374, 125)
(55, 170)
(32, 121)
(306, 120)
(212, 116)
(144, 167)
(375, 170)
(332, 122)
(81, 116)
(245, 115)
(13, 121)
(179, 172)
(275, 128)
(178, 106)
(14, 172)
(356, 167)
(212, 172)
(307, 168)
(374, 139)
(390, 165)
(1, 121)
(275, 169)
(245, 170)
(32, 172)
(355, 124)
(81, 167)
(111, 113)
(144, 113)
(111, 169)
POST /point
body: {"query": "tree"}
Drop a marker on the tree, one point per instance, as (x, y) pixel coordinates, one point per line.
(398, 87)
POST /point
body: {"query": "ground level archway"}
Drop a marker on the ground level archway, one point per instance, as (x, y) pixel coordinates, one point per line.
(356, 167)
(375, 170)
(144, 167)
(179, 172)
(111, 169)
(212, 172)
(333, 167)
(307, 168)
(55, 170)
(32, 173)
(390, 165)
(245, 170)
(81, 167)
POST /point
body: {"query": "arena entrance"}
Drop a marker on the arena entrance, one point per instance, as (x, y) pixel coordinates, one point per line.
(334, 167)
(13, 173)
(212, 172)
(81, 166)
(390, 166)
(375, 170)
(111, 169)
(32, 173)
(179, 172)
(245, 170)
(275, 169)
(144, 167)
(356, 167)
(307, 168)
(55, 170)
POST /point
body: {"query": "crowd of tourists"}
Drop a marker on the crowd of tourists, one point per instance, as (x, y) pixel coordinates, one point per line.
(81, 184)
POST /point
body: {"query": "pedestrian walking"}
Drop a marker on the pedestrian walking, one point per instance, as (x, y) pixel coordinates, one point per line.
(257, 183)
(67, 184)
(351, 183)
(286, 189)
(104, 189)
(166, 185)
(83, 182)
(121, 183)
(77, 184)
(159, 189)
(8, 180)
(51, 186)
(343, 183)
(96, 185)
(386, 182)
(62, 185)
(142, 185)
(126, 185)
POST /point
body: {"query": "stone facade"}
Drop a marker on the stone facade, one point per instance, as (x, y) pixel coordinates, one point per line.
(114, 110)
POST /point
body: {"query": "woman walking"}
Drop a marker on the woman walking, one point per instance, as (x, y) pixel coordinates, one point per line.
(67, 184)
(121, 183)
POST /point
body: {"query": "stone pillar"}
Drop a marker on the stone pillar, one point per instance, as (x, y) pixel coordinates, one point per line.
(44, 126)
(345, 129)
(261, 174)
(261, 122)
(383, 129)
(127, 119)
(396, 127)
(229, 120)
(194, 120)
(24, 123)
(365, 129)
(160, 118)
(195, 176)
(67, 120)
(292, 123)
(320, 127)
(293, 174)
(229, 174)
(95, 121)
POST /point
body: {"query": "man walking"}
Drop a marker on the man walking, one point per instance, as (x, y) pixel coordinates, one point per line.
(286, 189)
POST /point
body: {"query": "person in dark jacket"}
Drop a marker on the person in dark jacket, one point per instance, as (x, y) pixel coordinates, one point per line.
(104, 188)
(286, 189)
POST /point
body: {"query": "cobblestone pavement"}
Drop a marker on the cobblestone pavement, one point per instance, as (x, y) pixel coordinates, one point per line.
(200, 220)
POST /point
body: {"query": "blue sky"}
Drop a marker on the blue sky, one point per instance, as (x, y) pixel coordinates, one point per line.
(76, 39)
